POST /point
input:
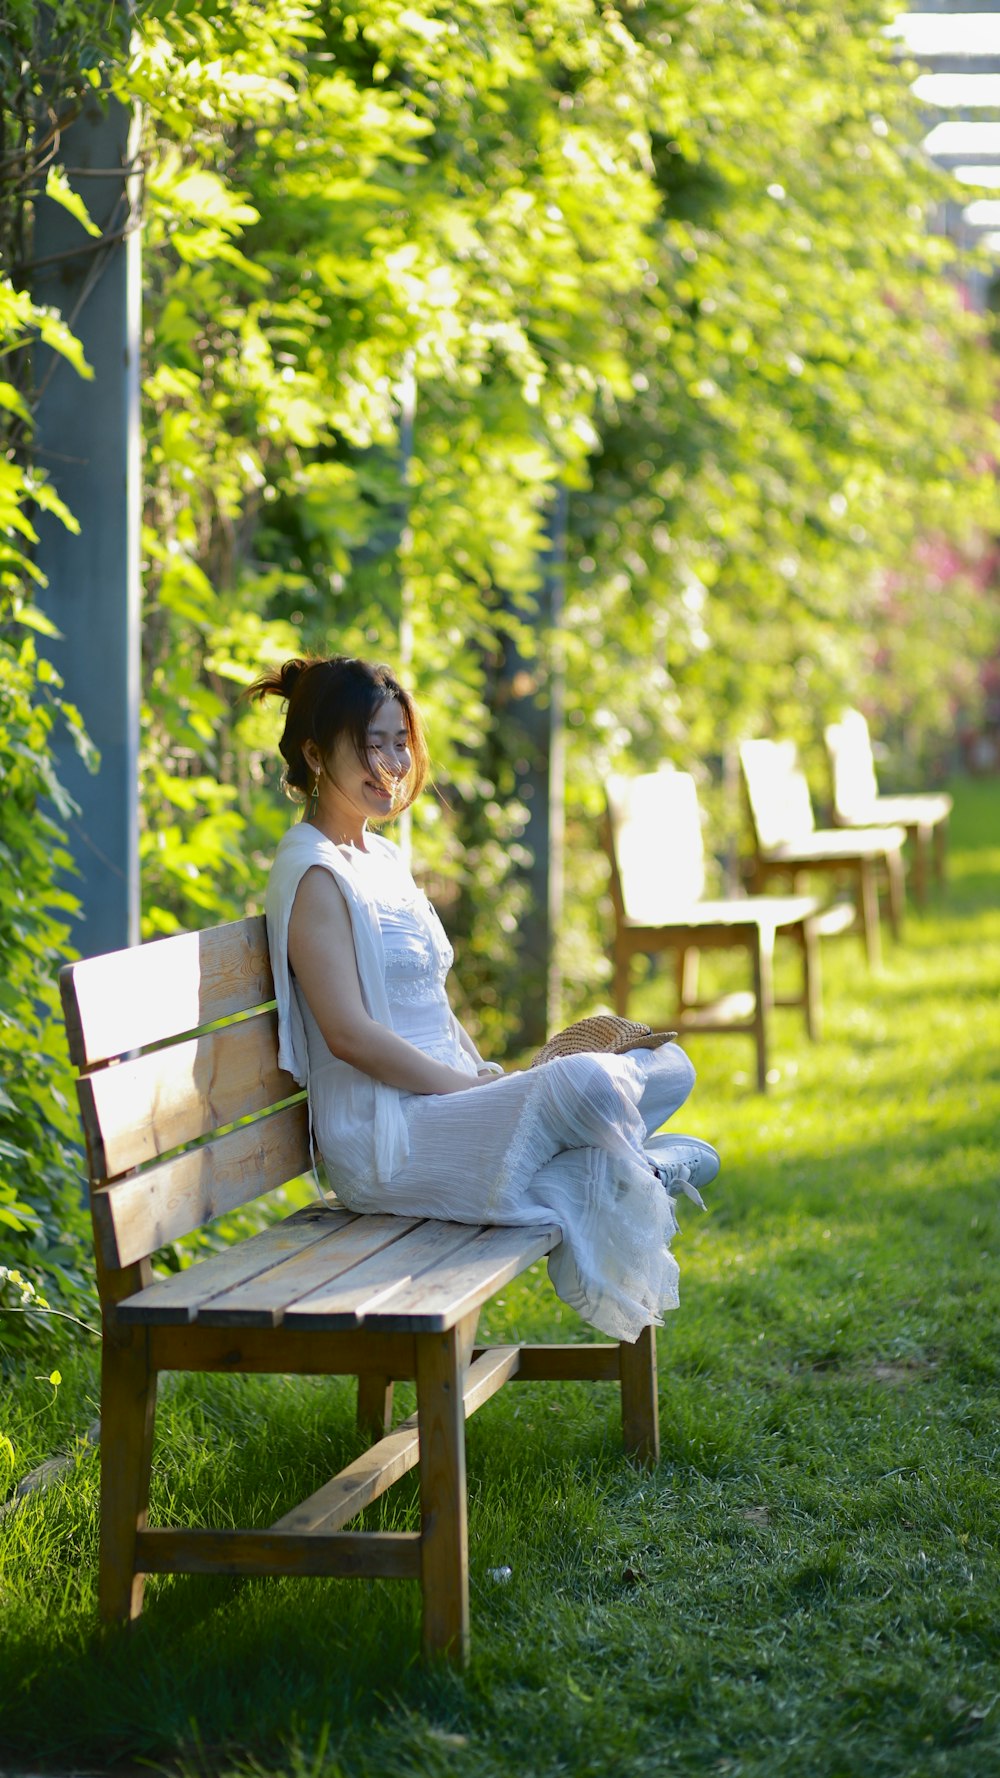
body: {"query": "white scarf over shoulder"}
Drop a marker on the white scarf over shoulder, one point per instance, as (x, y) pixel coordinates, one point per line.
(372, 1107)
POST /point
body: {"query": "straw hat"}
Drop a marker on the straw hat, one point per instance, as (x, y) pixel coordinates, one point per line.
(607, 1032)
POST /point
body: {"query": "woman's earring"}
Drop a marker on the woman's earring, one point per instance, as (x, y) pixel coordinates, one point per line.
(313, 798)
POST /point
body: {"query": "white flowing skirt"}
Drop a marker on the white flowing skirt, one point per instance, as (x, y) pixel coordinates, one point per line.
(562, 1144)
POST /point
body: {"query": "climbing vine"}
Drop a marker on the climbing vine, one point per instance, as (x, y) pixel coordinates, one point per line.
(417, 277)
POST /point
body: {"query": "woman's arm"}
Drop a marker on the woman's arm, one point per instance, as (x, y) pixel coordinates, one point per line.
(321, 952)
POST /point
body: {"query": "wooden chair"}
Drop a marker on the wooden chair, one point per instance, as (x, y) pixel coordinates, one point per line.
(789, 844)
(187, 1115)
(857, 801)
(654, 843)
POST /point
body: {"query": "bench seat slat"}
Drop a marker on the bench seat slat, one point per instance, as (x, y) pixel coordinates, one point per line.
(262, 1300)
(463, 1280)
(135, 1216)
(177, 1299)
(172, 986)
(142, 1108)
(349, 1300)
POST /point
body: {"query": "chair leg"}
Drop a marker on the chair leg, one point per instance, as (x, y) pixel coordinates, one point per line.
(623, 973)
(921, 838)
(374, 1404)
(444, 1541)
(896, 869)
(688, 961)
(868, 910)
(640, 1407)
(940, 849)
(762, 952)
(128, 1407)
(812, 990)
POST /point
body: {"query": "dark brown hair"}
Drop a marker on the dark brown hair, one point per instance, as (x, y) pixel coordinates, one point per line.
(338, 696)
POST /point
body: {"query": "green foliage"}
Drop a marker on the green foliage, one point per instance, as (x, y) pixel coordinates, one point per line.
(43, 1225)
(621, 253)
(409, 271)
(42, 1217)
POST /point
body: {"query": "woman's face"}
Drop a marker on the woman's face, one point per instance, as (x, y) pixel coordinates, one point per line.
(370, 786)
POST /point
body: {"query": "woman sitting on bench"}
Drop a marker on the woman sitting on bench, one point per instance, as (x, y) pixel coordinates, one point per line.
(360, 962)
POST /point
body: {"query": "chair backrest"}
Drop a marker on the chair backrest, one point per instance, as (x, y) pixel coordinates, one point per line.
(852, 766)
(777, 792)
(655, 846)
(185, 1111)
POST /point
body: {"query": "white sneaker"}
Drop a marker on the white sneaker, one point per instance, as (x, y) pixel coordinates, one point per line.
(683, 1163)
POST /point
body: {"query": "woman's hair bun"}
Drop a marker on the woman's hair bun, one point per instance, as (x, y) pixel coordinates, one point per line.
(290, 675)
(278, 684)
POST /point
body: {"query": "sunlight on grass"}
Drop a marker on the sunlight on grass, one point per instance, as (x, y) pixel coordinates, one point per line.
(806, 1584)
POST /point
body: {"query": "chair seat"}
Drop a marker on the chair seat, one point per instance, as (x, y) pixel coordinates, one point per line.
(768, 911)
(829, 845)
(326, 1268)
(918, 809)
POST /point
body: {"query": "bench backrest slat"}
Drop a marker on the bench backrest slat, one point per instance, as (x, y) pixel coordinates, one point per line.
(135, 1216)
(164, 1156)
(141, 1109)
(154, 992)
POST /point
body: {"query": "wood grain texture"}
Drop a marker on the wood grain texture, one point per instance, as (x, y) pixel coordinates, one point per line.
(444, 1539)
(348, 1493)
(146, 1210)
(351, 1300)
(178, 1297)
(463, 1280)
(393, 1555)
(263, 1301)
(374, 1410)
(138, 1110)
(375, 1470)
(128, 999)
(128, 1405)
(567, 1364)
(640, 1408)
(273, 1351)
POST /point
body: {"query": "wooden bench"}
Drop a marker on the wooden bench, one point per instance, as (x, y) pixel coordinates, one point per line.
(186, 1116)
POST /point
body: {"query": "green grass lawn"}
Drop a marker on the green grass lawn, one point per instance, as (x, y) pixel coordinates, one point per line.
(808, 1582)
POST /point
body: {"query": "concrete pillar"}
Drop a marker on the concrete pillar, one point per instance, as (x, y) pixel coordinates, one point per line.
(87, 439)
(531, 699)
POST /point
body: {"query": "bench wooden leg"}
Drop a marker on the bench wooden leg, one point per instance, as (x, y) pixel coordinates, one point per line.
(128, 1406)
(640, 1408)
(374, 1404)
(444, 1544)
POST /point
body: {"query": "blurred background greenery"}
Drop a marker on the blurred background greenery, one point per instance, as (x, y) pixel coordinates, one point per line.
(604, 354)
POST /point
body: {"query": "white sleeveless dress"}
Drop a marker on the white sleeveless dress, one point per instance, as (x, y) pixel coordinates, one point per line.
(560, 1144)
